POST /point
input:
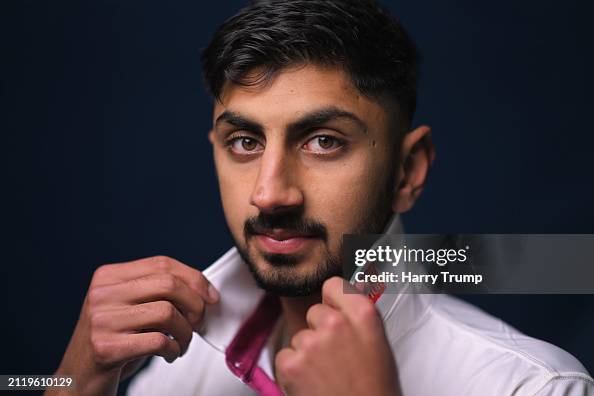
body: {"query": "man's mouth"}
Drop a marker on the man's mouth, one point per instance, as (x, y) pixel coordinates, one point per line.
(279, 241)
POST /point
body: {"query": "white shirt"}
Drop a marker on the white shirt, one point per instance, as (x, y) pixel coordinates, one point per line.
(442, 346)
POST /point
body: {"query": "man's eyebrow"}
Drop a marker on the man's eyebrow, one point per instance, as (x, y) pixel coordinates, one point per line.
(321, 116)
(310, 120)
(238, 121)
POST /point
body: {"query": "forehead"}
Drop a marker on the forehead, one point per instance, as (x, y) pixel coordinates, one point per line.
(297, 91)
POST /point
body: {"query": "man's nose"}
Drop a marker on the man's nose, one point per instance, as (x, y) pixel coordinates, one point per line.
(276, 188)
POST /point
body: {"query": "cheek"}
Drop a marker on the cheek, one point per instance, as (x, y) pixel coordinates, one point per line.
(339, 197)
(235, 188)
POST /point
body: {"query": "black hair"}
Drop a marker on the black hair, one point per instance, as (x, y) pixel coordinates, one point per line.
(358, 35)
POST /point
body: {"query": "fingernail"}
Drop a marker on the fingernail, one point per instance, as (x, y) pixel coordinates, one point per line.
(213, 293)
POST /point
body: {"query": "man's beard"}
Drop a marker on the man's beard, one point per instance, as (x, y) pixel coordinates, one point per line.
(282, 279)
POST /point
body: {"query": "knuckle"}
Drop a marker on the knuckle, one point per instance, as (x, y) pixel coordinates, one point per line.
(95, 295)
(162, 263)
(98, 319)
(100, 272)
(312, 311)
(103, 350)
(309, 343)
(287, 365)
(335, 321)
(167, 283)
(157, 342)
(166, 312)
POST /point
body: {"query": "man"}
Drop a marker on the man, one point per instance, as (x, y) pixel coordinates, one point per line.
(312, 139)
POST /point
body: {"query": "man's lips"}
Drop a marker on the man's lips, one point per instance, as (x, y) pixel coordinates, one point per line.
(283, 242)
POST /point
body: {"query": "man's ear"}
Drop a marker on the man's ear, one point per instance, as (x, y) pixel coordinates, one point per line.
(416, 157)
(211, 136)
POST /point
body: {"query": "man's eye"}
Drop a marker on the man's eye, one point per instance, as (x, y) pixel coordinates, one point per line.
(245, 145)
(322, 144)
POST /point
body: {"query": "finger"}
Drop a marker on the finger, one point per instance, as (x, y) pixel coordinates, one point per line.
(333, 293)
(304, 340)
(150, 288)
(121, 348)
(121, 272)
(155, 343)
(318, 315)
(155, 316)
(286, 366)
(358, 309)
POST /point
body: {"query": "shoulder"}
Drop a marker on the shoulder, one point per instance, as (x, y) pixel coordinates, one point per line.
(472, 352)
(489, 332)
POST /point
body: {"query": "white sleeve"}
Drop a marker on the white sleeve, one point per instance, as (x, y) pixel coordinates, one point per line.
(568, 385)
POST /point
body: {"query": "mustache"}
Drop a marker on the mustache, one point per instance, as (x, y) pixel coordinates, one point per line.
(293, 222)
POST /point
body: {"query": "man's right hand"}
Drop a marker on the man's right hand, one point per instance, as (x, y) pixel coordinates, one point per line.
(127, 312)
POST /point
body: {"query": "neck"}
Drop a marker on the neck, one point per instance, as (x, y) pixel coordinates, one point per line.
(294, 311)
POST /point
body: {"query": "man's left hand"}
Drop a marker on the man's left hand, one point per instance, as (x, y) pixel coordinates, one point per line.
(344, 350)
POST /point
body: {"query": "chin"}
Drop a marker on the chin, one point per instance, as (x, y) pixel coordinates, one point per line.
(292, 276)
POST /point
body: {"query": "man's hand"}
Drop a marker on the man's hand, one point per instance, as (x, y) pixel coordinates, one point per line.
(343, 352)
(127, 312)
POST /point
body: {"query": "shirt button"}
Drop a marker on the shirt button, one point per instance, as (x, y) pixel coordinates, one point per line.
(237, 364)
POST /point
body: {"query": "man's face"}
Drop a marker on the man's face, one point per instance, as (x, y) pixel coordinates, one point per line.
(300, 162)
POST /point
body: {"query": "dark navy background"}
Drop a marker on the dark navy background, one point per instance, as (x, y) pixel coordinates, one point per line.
(105, 156)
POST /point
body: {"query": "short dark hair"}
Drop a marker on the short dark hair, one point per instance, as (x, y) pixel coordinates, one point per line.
(358, 35)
